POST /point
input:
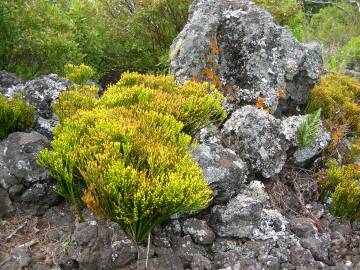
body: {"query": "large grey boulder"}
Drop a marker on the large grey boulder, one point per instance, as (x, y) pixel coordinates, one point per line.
(256, 137)
(25, 181)
(251, 55)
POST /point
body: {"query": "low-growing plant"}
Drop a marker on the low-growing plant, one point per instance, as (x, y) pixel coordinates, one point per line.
(308, 131)
(15, 115)
(128, 157)
(337, 96)
(79, 97)
(79, 74)
(343, 182)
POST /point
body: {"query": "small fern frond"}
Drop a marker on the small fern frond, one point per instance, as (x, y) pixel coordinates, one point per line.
(308, 131)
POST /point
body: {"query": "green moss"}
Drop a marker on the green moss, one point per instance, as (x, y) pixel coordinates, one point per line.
(15, 115)
(128, 158)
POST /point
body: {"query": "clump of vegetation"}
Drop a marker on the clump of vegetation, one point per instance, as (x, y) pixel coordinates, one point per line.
(334, 26)
(41, 36)
(309, 129)
(127, 157)
(345, 57)
(79, 74)
(343, 182)
(15, 115)
(337, 96)
(287, 13)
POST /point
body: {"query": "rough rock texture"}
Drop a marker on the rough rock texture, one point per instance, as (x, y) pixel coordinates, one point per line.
(9, 83)
(20, 175)
(223, 169)
(256, 137)
(262, 140)
(248, 216)
(200, 232)
(248, 51)
(98, 245)
(42, 92)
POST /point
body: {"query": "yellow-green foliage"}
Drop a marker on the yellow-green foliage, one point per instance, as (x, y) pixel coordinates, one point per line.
(77, 98)
(337, 96)
(128, 158)
(79, 73)
(193, 104)
(15, 115)
(344, 182)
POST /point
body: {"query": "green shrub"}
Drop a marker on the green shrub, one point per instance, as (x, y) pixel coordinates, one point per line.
(347, 56)
(334, 26)
(287, 13)
(15, 115)
(41, 36)
(128, 157)
(337, 96)
(79, 97)
(79, 74)
(344, 184)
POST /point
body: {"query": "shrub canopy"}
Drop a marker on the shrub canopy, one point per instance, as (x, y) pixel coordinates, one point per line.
(127, 155)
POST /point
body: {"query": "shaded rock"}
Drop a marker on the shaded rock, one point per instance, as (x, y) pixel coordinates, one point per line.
(224, 171)
(200, 232)
(26, 182)
(9, 83)
(318, 246)
(245, 216)
(6, 207)
(185, 248)
(200, 262)
(101, 245)
(22, 256)
(236, 36)
(303, 227)
(168, 262)
(257, 137)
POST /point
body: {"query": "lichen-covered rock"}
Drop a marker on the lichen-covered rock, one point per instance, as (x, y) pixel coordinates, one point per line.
(223, 169)
(42, 92)
(246, 216)
(100, 245)
(20, 175)
(248, 52)
(257, 138)
(290, 126)
(200, 232)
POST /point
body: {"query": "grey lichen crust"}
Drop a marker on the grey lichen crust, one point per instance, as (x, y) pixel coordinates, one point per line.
(256, 57)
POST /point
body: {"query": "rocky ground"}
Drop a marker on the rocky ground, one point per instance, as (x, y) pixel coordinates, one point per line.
(265, 213)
